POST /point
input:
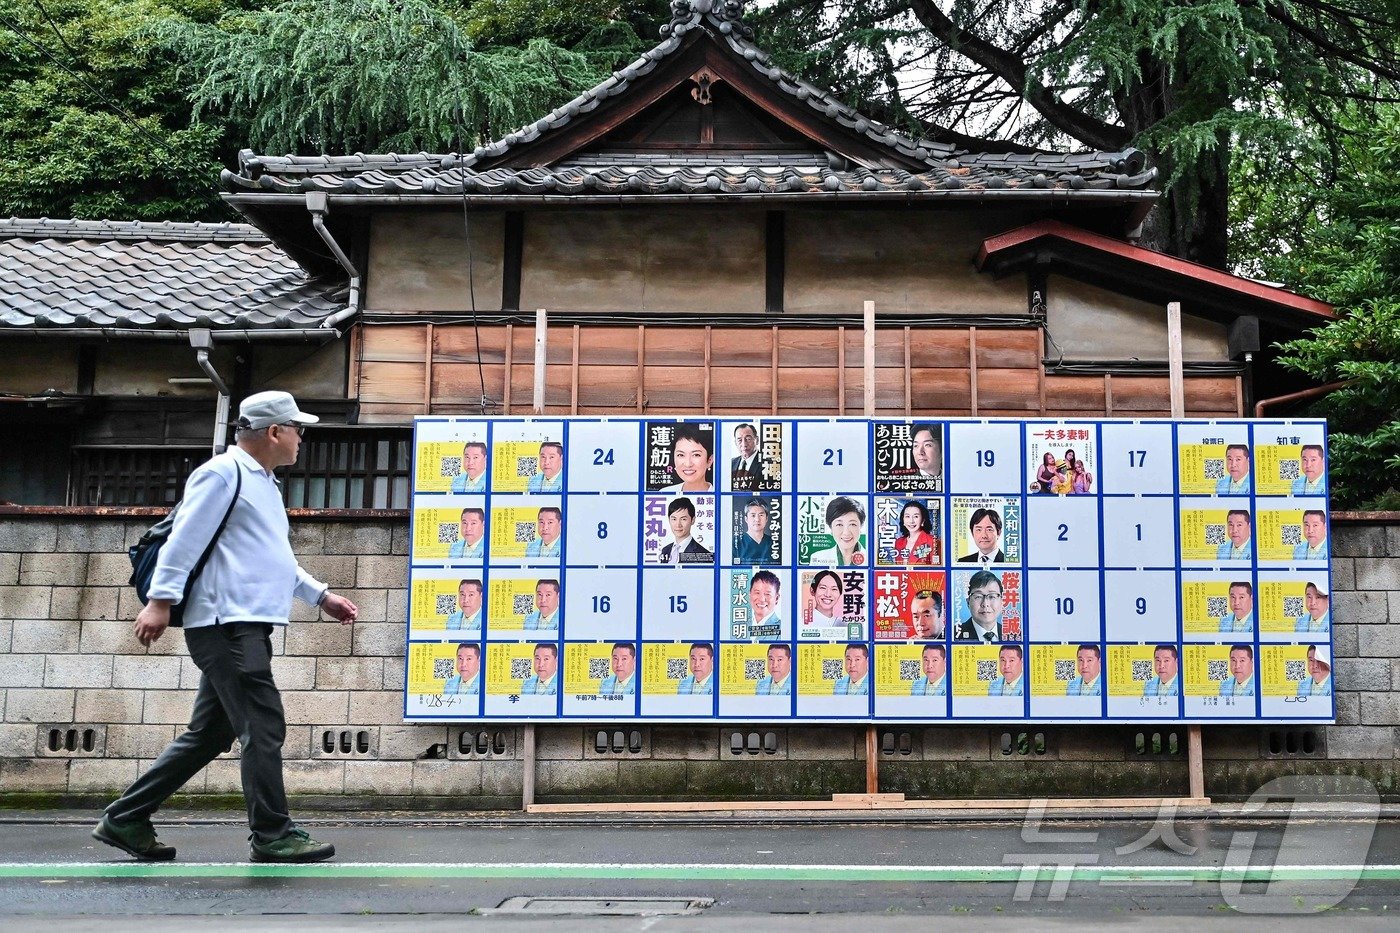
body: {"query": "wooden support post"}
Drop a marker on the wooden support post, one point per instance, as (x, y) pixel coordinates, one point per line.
(972, 368)
(510, 370)
(1195, 759)
(872, 737)
(541, 348)
(428, 370)
(527, 774)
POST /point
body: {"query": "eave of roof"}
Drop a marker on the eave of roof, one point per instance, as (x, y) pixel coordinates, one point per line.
(1006, 249)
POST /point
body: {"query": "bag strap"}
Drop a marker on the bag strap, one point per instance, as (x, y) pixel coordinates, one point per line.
(209, 550)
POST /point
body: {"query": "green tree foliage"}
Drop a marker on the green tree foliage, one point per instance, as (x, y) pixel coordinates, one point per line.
(93, 122)
(384, 75)
(1349, 254)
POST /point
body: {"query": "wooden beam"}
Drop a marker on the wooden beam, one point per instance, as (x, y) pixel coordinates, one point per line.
(908, 375)
(641, 368)
(573, 388)
(872, 762)
(841, 370)
(541, 348)
(773, 370)
(869, 362)
(428, 370)
(527, 775)
(972, 365)
(357, 346)
(510, 354)
(1108, 394)
(708, 335)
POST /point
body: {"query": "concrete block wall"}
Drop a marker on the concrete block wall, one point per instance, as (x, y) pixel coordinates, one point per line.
(71, 670)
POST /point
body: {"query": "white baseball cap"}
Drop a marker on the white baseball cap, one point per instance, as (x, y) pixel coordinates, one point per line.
(263, 409)
(1323, 654)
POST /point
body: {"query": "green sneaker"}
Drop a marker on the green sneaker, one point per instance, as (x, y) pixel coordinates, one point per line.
(296, 846)
(137, 838)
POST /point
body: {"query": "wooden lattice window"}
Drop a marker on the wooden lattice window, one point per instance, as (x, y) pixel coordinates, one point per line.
(131, 474)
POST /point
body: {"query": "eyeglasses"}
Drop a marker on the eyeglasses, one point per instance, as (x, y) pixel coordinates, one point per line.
(983, 597)
(299, 428)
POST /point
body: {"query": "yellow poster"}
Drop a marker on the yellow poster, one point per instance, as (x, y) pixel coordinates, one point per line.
(436, 604)
(1202, 468)
(899, 667)
(1278, 466)
(429, 666)
(1206, 668)
(1131, 668)
(513, 463)
(744, 669)
(1052, 668)
(1281, 604)
(820, 667)
(512, 530)
(1204, 534)
(664, 666)
(445, 534)
(1204, 603)
(1282, 668)
(508, 665)
(586, 666)
(511, 606)
(974, 669)
(440, 463)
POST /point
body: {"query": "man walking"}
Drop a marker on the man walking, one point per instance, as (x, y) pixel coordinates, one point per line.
(245, 589)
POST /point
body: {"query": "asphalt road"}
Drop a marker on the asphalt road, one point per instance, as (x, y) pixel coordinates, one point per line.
(428, 874)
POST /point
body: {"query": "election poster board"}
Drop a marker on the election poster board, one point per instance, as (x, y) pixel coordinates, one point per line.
(770, 569)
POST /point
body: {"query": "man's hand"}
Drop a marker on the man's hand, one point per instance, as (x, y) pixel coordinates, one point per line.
(152, 621)
(338, 607)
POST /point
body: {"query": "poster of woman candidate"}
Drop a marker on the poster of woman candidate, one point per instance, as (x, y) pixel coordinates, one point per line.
(832, 605)
(908, 532)
(1061, 458)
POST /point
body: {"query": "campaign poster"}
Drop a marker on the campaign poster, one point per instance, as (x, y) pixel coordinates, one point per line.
(600, 679)
(1296, 680)
(527, 456)
(1067, 680)
(1220, 680)
(444, 679)
(678, 529)
(1294, 604)
(989, 600)
(757, 530)
(680, 456)
(1290, 531)
(1291, 459)
(1214, 459)
(522, 678)
(1054, 668)
(519, 604)
(911, 680)
(986, 526)
(451, 529)
(908, 532)
(757, 680)
(831, 531)
(908, 456)
(1282, 669)
(527, 529)
(989, 680)
(1144, 680)
(909, 604)
(833, 679)
(1061, 459)
(679, 678)
(442, 603)
(832, 605)
(757, 600)
(1218, 607)
(756, 460)
(1217, 531)
(451, 456)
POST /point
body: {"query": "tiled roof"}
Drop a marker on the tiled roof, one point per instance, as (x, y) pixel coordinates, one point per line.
(157, 276)
(947, 168)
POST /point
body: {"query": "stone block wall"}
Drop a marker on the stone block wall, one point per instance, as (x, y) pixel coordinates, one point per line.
(72, 673)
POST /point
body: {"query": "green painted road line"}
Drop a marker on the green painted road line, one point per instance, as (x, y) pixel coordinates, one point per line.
(1120, 874)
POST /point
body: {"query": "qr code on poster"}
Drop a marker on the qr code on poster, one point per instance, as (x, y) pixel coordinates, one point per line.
(753, 669)
(1288, 469)
(1295, 670)
(831, 669)
(597, 668)
(1217, 670)
(442, 668)
(522, 604)
(1215, 534)
(1064, 670)
(1142, 670)
(519, 668)
(1291, 535)
(446, 605)
(451, 466)
(1215, 469)
(447, 532)
(524, 532)
(1293, 606)
(909, 670)
(987, 670)
(1217, 606)
(675, 668)
(526, 466)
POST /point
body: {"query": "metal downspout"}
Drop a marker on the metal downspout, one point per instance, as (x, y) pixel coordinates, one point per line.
(319, 206)
(202, 339)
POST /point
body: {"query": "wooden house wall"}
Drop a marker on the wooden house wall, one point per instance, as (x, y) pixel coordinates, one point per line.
(403, 370)
(1092, 323)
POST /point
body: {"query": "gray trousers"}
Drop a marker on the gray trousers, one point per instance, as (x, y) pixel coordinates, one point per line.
(237, 699)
